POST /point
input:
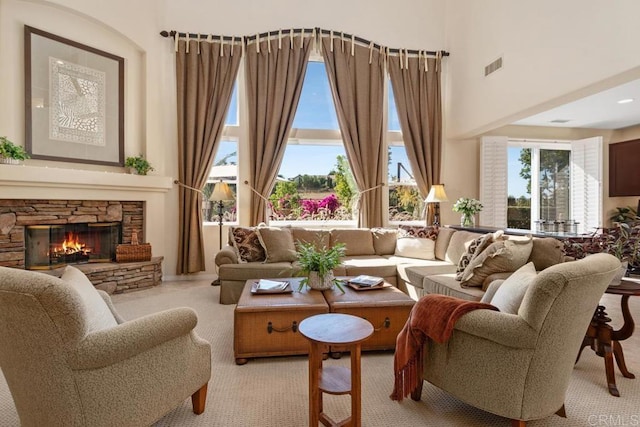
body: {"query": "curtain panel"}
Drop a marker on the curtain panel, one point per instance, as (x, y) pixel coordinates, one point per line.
(205, 74)
(356, 77)
(416, 88)
(275, 70)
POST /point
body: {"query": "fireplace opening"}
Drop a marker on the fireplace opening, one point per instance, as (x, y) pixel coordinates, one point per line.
(52, 246)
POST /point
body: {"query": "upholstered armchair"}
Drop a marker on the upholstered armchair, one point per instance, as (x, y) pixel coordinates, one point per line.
(518, 365)
(70, 360)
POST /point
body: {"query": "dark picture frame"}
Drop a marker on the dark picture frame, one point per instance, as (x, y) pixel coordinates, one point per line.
(74, 101)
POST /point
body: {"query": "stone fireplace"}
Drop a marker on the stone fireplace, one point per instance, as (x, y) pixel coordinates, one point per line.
(48, 234)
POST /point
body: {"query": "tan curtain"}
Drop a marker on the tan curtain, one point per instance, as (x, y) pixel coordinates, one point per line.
(417, 94)
(356, 76)
(205, 82)
(274, 74)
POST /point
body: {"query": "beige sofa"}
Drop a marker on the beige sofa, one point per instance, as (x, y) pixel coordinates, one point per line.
(368, 251)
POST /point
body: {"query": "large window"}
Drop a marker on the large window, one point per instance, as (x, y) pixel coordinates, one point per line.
(225, 167)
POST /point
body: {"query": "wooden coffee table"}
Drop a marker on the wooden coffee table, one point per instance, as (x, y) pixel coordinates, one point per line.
(267, 324)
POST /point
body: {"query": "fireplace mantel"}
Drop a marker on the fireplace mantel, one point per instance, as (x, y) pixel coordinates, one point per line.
(21, 176)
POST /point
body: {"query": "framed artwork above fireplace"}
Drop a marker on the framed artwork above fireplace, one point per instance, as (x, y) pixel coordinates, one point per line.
(74, 101)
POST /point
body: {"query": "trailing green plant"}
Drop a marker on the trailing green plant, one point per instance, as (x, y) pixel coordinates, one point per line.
(322, 261)
(10, 150)
(139, 163)
(626, 215)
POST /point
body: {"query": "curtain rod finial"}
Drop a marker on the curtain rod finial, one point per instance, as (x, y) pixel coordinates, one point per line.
(164, 33)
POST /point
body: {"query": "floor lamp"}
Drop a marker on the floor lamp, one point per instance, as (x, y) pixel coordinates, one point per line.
(221, 193)
(435, 196)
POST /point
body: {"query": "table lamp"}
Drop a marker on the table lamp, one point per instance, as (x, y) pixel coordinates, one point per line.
(221, 193)
(435, 196)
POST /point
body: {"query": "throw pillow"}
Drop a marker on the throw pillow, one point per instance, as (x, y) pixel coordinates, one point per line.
(97, 313)
(546, 252)
(247, 244)
(500, 256)
(416, 242)
(475, 248)
(384, 240)
(509, 295)
(278, 244)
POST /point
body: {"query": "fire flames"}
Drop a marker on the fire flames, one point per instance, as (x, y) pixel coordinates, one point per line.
(72, 245)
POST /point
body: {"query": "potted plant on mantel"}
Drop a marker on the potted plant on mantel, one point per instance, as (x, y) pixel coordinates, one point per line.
(318, 264)
(138, 165)
(10, 153)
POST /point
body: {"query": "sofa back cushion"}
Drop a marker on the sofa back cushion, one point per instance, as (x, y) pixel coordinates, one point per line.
(384, 240)
(458, 245)
(358, 241)
(319, 238)
(442, 242)
(546, 252)
(278, 244)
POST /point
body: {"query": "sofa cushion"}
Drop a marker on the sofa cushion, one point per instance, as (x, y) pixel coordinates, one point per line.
(475, 248)
(277, 243)
(358, 241)
(457, 245)
(415, 274)
(384, 240)
(546, 252)
(319, 238)
(416, 242)
(446, 284)
(509, 295)
(500, 256)
(97, 311)
(247, 244)
(372, 265)
(255, 270)
(442, 242)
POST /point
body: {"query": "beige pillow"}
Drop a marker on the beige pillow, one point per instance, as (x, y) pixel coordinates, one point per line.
(319, 238)
(475, 248)
(278, 244)
(416, 242)
(509, 295)
(384, 240)
(358, 241)
(546, 252)
(500, 256)
(97, 313)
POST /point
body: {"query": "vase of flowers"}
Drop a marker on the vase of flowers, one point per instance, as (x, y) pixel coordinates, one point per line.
(468, 208)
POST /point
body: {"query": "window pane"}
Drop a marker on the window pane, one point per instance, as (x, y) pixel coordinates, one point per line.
(225, 169)
(316, 109)
(314, 183)
(232, 114)
(405, 203)
(519, 188)
(554, 185)
(394, 122)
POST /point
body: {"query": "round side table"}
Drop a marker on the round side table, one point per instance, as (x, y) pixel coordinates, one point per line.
(605, 341)
(324, 330)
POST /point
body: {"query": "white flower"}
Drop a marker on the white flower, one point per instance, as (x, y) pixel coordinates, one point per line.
(467, 206)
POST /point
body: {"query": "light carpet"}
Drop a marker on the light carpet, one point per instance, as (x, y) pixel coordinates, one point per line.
(273, 391)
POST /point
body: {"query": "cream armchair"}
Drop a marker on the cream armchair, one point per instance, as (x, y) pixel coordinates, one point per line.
(70, 360)
(519, 366)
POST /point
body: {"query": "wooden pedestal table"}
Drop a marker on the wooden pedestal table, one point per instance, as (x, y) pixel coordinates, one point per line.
(322, 331)
(605, 341)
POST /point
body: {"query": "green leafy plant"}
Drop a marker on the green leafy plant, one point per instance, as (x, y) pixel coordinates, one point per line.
(625, 215)
(140, 164)
(322, 261)
(11, 151)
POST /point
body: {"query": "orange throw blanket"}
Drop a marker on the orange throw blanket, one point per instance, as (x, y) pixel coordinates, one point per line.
(433, 316)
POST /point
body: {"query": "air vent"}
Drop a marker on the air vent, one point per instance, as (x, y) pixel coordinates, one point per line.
(493, 67)
(560, 121)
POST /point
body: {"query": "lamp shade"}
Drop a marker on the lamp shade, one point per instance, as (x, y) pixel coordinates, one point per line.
(436, 194)
(221, 192)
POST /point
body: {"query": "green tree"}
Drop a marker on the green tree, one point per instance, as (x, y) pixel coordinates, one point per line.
(345, 186)
(285, 195)
(525, 171)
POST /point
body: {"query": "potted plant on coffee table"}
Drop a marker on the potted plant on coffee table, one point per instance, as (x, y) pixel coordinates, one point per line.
(10, 153)
(317, 265)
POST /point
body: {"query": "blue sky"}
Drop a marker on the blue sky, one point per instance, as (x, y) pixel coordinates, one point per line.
(316, 111)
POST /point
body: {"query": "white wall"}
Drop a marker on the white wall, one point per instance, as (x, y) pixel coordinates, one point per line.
(554, 51)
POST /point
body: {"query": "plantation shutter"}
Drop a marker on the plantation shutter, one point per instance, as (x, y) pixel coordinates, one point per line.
(586, 183)
(493, 181)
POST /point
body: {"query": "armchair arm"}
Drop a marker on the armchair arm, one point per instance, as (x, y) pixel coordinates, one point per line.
(505, 329)
(226, 256)
(109, 346)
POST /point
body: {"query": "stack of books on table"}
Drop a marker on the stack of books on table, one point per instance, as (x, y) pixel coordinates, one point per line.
(273, 286)
(365, 281)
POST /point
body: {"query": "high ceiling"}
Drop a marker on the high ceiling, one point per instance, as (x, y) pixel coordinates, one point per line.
(599, 111)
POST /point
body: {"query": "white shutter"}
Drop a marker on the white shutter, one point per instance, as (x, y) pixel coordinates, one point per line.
(493, 181)
(586, 183)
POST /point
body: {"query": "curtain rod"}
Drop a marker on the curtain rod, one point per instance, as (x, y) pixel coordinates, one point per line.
(318, 30)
